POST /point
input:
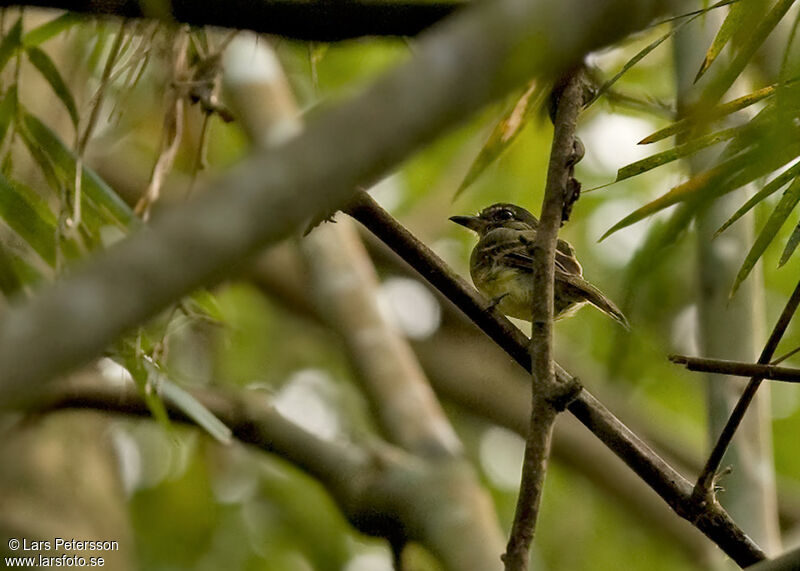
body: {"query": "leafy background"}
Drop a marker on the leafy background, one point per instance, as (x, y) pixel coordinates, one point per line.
(192, 503)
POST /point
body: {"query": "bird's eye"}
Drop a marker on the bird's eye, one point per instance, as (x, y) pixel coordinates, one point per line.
(505, 214)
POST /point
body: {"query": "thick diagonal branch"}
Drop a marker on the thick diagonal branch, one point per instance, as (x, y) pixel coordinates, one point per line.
(481, 53)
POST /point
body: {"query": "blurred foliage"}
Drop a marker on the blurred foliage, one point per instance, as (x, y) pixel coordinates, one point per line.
(195, 504)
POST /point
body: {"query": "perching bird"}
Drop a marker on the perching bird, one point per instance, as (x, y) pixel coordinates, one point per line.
(501, 266)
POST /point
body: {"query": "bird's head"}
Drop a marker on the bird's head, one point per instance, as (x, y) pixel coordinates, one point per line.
(500, 215)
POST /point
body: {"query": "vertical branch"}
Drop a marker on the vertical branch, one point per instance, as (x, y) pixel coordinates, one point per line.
(549, 395)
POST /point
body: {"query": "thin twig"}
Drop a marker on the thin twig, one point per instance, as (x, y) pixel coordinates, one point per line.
(547, 389)
(703, 489)
(738, 368)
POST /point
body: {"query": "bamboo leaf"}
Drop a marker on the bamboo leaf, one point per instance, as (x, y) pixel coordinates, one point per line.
(505, 132)
(205, 303)
(10, 43)
(677, 152)
(721, 82)
(697, 12)
(10, 282)
(130, 357)
(680, 193)
(738, 14)
(35, 225)
(50, 29)
(734, 172)
(653, 45)
(716, 113)
(17, 276)
(95, 189)
(791, 246)
(194, 409)
(8, 110)
(39, 156)
(768, 232)
(775, 184)
(634, 60)
(155, 386)
(102, 205)
(30, 217)
(49, 71)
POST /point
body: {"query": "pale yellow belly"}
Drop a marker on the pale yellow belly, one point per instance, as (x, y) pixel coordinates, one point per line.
(518, 293)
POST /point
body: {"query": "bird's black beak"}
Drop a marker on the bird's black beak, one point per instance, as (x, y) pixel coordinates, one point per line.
(474, 223)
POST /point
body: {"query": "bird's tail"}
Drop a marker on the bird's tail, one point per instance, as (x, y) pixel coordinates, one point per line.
(598, 299)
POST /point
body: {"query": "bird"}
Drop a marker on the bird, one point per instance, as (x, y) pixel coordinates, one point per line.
(501, 266)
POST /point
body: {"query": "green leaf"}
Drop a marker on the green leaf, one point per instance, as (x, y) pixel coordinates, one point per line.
(10, 282)
(653, 45)
(738, 14)
(775, 184)
(8, 110)
(697, 12)
(194, 410)
(791, 246)
(721, 82)
(205, 303)
(101, 38)
(95, 190)
(505, 131)
(39, 156)
(11, 43)
(732, 173)
(34, 224)
(50, 29)
(634, 60)
(713, 114)
(677, 152)
(49, 71)
(154, 384)
(17, 276)
(768, 232)
(30, 217)
(684, 191)
(130, 356)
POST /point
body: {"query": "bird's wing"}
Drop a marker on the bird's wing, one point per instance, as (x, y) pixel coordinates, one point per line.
(511, 248)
